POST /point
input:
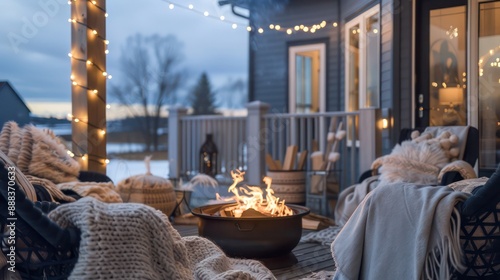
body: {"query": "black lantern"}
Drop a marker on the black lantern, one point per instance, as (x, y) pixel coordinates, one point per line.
(208, 157)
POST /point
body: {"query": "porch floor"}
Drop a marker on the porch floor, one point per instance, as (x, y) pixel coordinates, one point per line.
(312, 257)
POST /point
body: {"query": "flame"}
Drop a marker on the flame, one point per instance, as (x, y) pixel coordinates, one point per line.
(253, 197)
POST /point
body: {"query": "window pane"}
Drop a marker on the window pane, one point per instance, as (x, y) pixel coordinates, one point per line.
(305, 82)
(447, 60)
(372, 61)
(353, 69)
(489, 84)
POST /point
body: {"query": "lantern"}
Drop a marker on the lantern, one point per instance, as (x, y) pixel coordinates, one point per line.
(208, 157)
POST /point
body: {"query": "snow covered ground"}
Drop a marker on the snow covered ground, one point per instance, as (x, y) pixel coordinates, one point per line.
(118, 169)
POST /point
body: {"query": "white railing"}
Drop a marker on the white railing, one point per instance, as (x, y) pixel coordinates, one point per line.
(309, 132)
(244, 141)
(229, 135)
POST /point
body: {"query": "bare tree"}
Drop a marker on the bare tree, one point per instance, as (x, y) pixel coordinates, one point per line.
(233, 93)
(152, 76)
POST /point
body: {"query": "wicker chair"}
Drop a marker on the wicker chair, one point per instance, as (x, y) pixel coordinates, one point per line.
(43, 250)
(480, 231)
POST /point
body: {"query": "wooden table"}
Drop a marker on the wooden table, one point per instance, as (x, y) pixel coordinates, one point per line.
(312, 257)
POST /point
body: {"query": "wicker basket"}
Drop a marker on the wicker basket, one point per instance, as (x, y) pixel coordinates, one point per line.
(289, 185)
(151, 190)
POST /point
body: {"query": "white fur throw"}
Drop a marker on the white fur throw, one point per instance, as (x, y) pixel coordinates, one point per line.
(412, 162)
(135, 241)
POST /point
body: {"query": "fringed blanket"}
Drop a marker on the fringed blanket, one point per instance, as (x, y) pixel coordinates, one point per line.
(350, 198)
(135, 241)
(401, 231)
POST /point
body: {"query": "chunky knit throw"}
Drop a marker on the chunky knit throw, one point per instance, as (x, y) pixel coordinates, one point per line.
(135, 241)
(38, 152)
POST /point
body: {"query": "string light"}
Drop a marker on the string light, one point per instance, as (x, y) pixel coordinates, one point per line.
(88, 62)
(87, 156)
(190, 7)
(84, 155)
(102, 131)
(311, 28)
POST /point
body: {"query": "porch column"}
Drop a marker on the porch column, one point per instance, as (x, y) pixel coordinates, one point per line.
(370, 137)
(175, 141)
(256, 141)
(88, 83)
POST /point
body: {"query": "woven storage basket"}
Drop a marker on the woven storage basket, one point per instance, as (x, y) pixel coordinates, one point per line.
(289, 185)
(149, 189)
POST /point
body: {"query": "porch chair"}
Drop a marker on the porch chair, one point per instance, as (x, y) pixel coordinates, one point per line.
(470, 152)
(480, 231)
(43, 250)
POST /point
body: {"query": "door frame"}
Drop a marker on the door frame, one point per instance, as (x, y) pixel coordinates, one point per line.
(292, 93)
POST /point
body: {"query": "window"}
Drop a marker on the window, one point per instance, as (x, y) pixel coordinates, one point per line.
(362, 61)
(307, 78)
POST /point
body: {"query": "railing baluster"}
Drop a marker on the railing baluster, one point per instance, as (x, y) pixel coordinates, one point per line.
(230, 135)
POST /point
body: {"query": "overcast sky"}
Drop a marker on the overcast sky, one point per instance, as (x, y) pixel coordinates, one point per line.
(35, 42)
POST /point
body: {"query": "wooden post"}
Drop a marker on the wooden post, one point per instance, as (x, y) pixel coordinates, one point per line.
(88, 67)
(175, 141)
(370, 142)
(256, 141)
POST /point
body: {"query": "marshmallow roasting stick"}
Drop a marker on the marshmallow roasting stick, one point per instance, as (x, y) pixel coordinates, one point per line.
(329, 138)
(333, 155)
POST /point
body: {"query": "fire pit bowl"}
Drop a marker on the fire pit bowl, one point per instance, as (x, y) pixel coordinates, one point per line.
(251, 237)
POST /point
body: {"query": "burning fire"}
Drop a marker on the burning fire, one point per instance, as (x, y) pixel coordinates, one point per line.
(252, 197)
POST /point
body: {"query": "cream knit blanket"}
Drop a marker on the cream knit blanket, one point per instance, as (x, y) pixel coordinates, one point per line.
(135, 241)
(401, 231)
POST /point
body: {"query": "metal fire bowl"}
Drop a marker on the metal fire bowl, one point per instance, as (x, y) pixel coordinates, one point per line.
(255, 237)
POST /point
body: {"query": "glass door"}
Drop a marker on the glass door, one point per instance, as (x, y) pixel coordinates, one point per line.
(488, 84)
(441, 63)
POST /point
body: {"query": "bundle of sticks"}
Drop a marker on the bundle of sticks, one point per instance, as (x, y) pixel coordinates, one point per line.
(293, 160)
(324, 161)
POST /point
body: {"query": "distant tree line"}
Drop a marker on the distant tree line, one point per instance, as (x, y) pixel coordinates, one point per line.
(153, 76)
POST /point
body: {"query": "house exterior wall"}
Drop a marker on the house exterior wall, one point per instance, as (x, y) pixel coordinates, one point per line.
(269, 52)
(269, 56)
(12, 108)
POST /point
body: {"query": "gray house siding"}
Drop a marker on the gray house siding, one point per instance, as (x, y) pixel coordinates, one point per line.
(405, 14)
(269, 56)
(269, 52)
(12, 107)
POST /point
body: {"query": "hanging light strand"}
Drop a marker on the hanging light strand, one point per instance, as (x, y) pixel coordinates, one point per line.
(304, 28)
(190, 7)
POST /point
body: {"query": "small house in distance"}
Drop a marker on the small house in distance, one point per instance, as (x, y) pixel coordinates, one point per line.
(12, 107)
